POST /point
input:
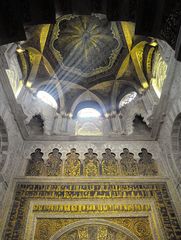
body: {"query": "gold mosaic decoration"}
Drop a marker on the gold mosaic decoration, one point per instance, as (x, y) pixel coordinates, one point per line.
(92, 166)
(36, 166)
(54, 163)
(129, 166)
(77, 41)
(109, 164)
(45, 228)
(90, 208)
(72, 164)
(25, 193)
(146, 165)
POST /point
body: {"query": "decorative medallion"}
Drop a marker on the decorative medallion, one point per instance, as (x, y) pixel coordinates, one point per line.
(85, 45)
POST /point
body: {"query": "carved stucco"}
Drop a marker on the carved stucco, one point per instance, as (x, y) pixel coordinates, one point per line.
(47, 112)
(129, 112)
(97, 146)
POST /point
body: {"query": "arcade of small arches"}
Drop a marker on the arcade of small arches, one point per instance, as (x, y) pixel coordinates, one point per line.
(88, 118)
(109, 164)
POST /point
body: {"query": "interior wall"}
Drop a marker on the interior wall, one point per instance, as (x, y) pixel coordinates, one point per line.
(11, 166)
(19, 151)
(172, 108)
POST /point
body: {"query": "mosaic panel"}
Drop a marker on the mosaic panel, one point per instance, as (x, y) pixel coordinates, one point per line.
(27, 192)
(45, 228)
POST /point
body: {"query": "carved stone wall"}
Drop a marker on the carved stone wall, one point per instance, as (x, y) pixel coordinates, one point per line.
(11, 150)
(171, 111)
(14, 138)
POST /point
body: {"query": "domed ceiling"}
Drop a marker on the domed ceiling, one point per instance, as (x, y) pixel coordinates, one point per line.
(84, 45)
(86, 55)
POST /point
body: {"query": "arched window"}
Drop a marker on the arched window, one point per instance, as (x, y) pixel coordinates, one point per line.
(127, 99)
(88, 122)
(47, 98)
(88, 113)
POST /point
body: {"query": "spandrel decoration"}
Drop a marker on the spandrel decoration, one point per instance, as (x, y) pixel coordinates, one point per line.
(93, 232)
(138, 226)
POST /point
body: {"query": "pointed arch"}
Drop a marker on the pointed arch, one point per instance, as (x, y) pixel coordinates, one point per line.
(88, 97)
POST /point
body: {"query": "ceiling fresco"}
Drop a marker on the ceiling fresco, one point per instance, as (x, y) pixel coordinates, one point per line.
(87, 54)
